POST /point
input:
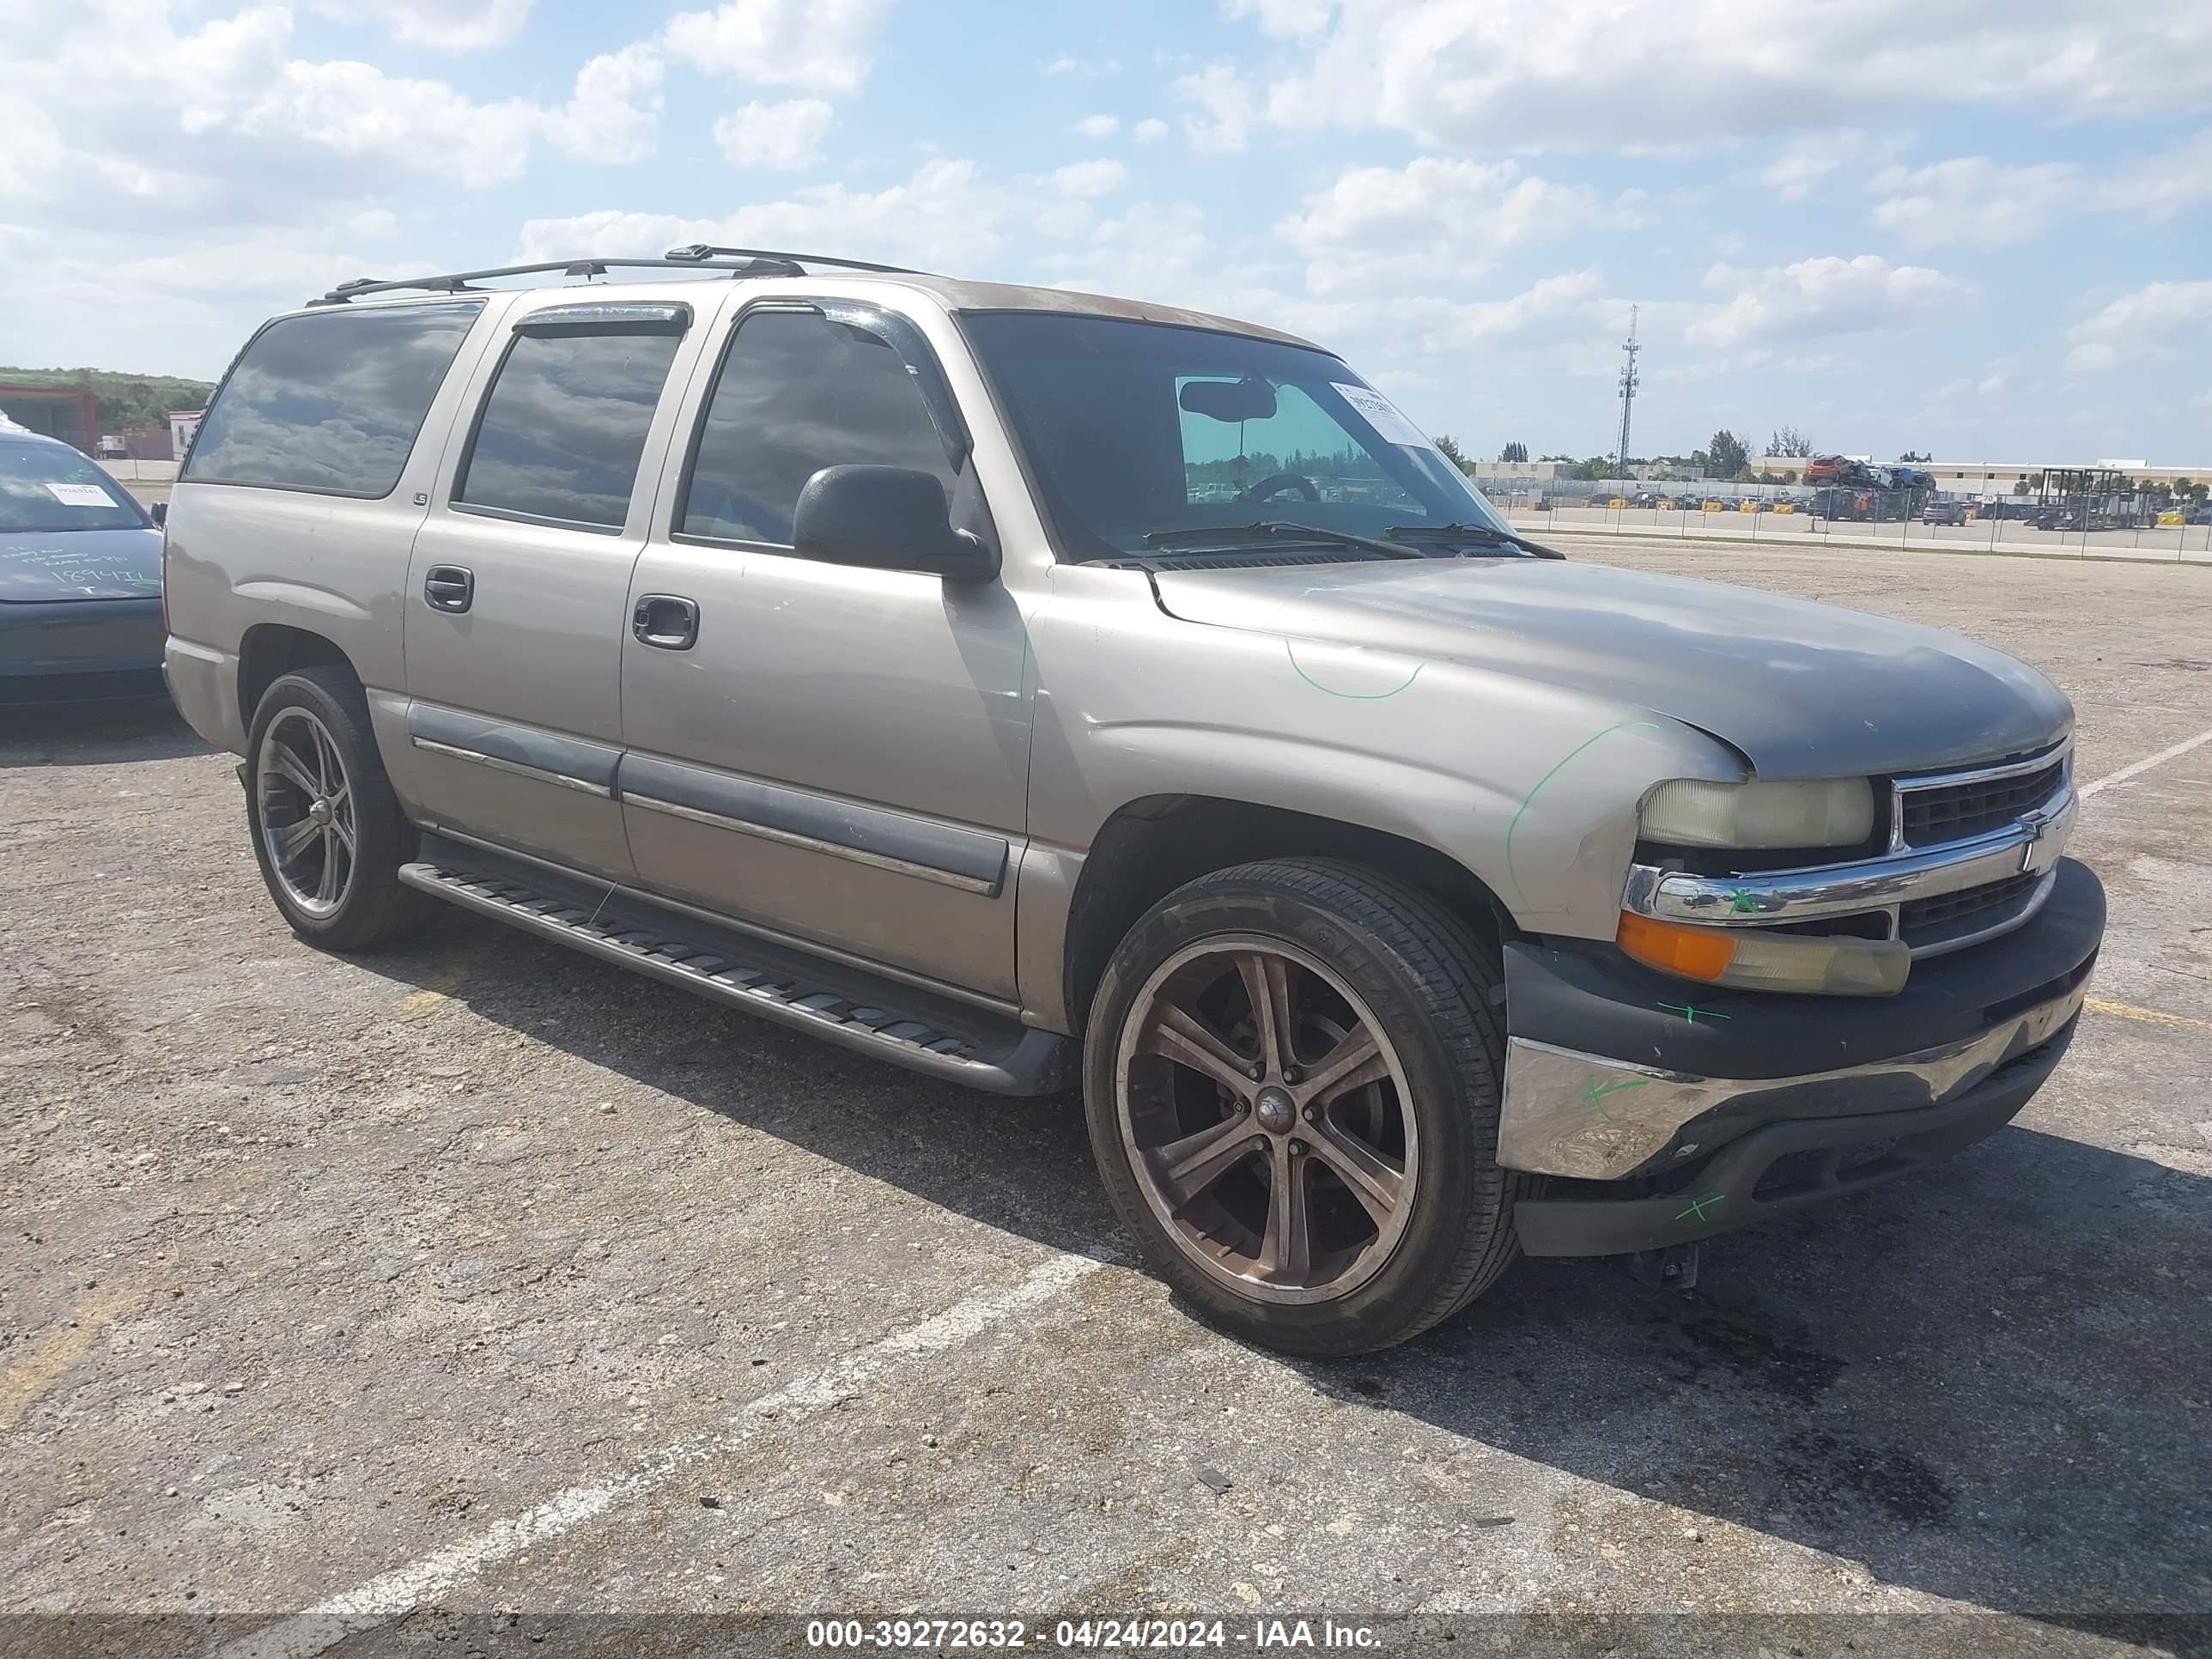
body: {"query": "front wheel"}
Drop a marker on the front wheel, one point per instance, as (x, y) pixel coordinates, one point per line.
(328, 832)
(1291, 1079)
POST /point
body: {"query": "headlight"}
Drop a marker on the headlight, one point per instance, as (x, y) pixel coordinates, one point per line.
(1755, 960)
(1827, 812)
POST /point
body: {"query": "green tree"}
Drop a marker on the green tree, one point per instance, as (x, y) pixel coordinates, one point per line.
(1909, 459)
(1514, 452)
(1728, 453)
(1789, 440)
(123, 400)
(1448, 447)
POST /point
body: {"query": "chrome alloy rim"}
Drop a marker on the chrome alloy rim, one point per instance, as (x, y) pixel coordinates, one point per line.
(303, 804)
(1264, 1112)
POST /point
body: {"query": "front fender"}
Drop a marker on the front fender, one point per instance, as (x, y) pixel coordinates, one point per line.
(1531, 787)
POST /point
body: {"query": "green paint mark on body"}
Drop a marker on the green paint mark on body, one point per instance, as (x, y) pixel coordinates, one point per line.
(1356, 696)
(1593, 1094)
(1691, 1010)
(1513, 875)
(1698, 1206)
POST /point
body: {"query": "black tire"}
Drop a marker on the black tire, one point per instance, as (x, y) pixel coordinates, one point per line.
(1433, 985)
(372, 909)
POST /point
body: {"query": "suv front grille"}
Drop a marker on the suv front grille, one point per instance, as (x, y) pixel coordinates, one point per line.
(1921, 921)
(1960, 811)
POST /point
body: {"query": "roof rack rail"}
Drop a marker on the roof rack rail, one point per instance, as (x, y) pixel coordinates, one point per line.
(755, 263)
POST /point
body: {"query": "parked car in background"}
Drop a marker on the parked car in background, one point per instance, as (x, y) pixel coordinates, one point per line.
(1405, 896)
(80, 579)
(1943, 513)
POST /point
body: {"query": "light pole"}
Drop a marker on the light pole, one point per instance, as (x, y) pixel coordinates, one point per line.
(1629, 348)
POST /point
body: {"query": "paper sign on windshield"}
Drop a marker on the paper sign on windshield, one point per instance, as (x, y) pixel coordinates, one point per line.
(72, 495)
(1383, 414)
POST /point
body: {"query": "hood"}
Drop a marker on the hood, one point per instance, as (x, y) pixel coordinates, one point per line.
(1803, 690)
(80, 564)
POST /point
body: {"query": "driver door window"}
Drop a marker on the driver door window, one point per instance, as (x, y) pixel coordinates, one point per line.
(1299, 454)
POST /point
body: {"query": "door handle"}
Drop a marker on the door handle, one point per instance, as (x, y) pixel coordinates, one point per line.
(449, 587)
(666, 621)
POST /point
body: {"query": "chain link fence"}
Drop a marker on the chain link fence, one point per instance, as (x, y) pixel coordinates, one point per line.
(1816, 514)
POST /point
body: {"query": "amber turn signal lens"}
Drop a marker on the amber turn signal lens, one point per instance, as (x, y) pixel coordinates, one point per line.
(1692, 952)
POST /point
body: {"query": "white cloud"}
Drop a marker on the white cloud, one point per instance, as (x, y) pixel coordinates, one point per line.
(2161, 319)
(1226, 108)
(2166, 184)
(948, 216)
(1433, 218)
(443, 25)
(1804, 163)
(1149, 130)
(356, 110)
(1575, 295)
(1295, 19)
(218, 124)
(819, 45)
(1090, 179)
(1098, 126)
(1148, 251)
(614, 115)
(776, 138)
(1973, 199)
(1820, 297)
(1593, 75)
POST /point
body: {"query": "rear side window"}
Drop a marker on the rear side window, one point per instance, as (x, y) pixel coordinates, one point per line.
(331, 401)
(798, 392)
(565, 425)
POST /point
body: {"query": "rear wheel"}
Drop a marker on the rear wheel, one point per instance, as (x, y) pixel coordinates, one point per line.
(1291, 1079)
(328, 833)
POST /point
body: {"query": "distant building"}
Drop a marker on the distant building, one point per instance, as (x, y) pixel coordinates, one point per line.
(70, 413)
(183, 422)
(1997, 479)
(1519, 472)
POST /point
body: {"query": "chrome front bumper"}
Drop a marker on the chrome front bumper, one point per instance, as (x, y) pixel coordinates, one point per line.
(1590, 1116)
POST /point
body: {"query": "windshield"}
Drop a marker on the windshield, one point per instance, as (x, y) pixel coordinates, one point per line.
(48, 486)
(1134, 429)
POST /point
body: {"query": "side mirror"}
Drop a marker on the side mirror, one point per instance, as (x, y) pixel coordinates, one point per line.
(886, 518)
(160, 512)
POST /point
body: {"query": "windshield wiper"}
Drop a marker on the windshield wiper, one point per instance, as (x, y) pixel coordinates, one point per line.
(1487, 534)
(1274, 528)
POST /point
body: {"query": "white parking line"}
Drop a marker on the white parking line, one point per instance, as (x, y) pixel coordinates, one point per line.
(2145, 764)
(404, 1588)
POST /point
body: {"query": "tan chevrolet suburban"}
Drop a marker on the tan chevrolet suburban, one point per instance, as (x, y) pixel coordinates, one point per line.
(1023, 686)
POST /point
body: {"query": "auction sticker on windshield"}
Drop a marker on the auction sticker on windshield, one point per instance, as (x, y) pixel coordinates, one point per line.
(79, 494)
(1383, 414)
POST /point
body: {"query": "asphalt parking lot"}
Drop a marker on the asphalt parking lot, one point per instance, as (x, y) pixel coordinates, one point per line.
(398, 1295)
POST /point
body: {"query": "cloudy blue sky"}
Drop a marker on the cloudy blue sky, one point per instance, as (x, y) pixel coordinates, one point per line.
(1982, 228)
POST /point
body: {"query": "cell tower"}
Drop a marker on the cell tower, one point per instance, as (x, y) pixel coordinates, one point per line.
(1629, 348)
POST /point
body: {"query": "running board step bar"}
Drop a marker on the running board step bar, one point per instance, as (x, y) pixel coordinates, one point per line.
(861, 1011)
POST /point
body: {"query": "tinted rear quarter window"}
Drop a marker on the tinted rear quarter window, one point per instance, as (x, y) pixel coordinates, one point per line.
(330, 402)
(565, 426)
(797, 393)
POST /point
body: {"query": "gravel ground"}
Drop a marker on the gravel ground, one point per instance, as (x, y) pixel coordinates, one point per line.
(479, 1281)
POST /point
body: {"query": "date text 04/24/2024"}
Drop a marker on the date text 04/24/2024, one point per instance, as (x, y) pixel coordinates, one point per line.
(1088, 1634)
